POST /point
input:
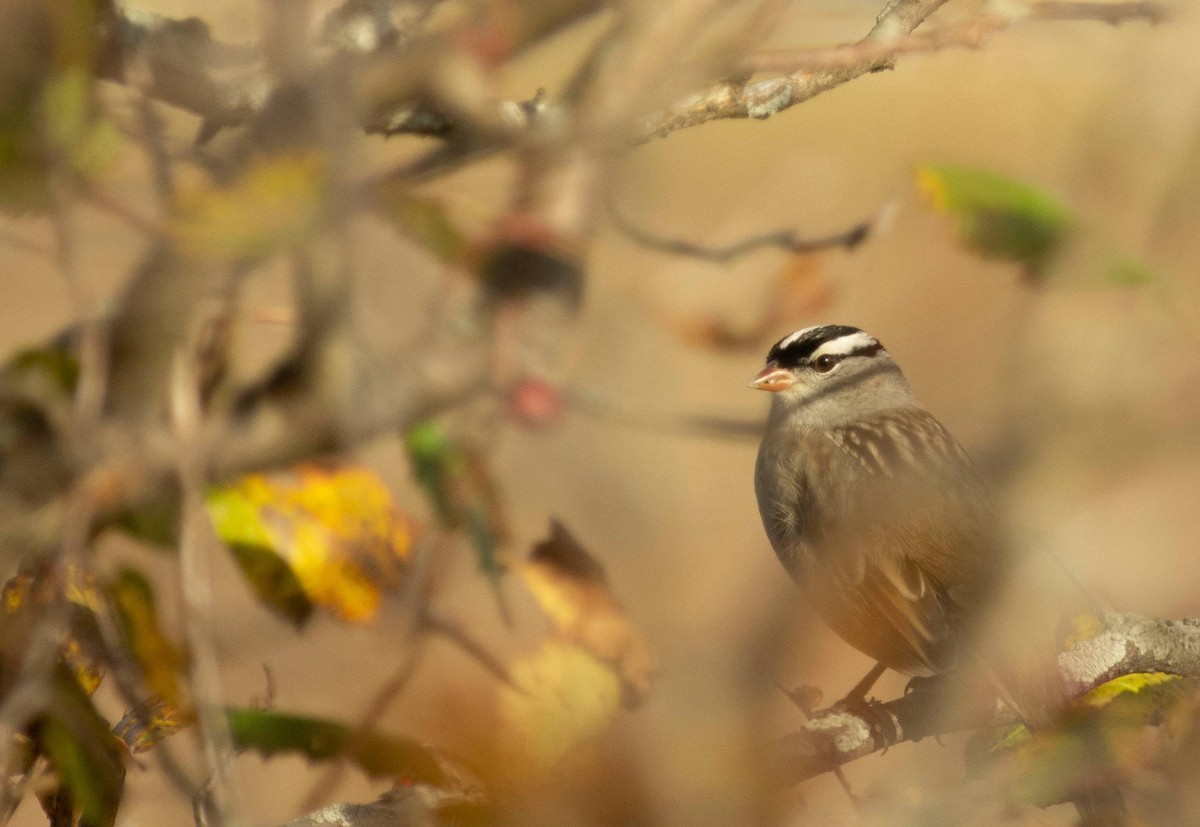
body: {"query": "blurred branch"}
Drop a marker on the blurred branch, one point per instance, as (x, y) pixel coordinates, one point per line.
(786, 240)
(1127, 644)
(416, 805)
(971, 33)
(180, 63)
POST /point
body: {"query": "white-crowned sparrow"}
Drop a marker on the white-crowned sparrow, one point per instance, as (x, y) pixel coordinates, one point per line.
(870, 504)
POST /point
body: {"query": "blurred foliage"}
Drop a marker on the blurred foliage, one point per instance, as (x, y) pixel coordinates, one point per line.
(996, 216)
(160, 659)
(571, 688)
(571, 587)
(424, 220)
(87, 758)
(148, 723)
(316, 535)
(273, 203)
(1092, 747)
(271, 733)
(64, 726)
(49, 118)
(561, 695)
(461, 488)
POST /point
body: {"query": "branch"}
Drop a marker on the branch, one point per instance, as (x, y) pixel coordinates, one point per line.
(971, 33)
(1127, 644)
(762, 99)
(806, 74)
(178, 62)
(786, 240)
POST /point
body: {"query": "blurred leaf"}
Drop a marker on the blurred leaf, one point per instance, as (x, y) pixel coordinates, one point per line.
(1130, 272)
(424, 220)
(272, 733)
(159, 657)
(28, 594)
(336, 530)
(1139, 698)
(84, 753)
(274, 203)
(156, 524)
(571, 587)
(456, 478)
(998, 217)
(55, 365)
(561, 696)
(71, 124)
(143, 727)
(273, 581)
(1092, 745)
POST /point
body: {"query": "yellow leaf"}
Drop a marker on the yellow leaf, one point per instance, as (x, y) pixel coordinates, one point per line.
(572, 589)
(336, 528)
(1132, 684)
(560, 697)
(157, 654)
(275, 202)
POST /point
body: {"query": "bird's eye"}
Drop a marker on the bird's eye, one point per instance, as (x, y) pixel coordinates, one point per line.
(826, 363)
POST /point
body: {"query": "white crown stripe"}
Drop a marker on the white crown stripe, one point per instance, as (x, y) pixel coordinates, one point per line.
(788, 341)
(843, 345)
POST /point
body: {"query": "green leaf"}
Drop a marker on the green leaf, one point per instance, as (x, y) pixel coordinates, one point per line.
(461, 489)
(85, 754)
(272, 733)
(997, 216)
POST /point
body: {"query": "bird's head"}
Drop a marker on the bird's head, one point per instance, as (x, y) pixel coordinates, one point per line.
(832, 372)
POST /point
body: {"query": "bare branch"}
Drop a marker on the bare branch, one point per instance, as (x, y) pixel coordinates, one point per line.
(1127, 644)
(971, 33)
(806, 74)
(178, 62)
(762, 99)
(786, 240)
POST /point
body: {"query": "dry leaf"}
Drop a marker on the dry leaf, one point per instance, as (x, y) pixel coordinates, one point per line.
(572, 589)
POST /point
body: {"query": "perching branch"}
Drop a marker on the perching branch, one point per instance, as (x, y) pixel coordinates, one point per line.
(1127, 644)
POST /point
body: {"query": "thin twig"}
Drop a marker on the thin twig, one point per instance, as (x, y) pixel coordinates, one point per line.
(477, 651)
(411, 628)
(786, 240)
(196, 581)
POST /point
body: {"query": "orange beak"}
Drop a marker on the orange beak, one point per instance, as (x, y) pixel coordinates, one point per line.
(773, 378)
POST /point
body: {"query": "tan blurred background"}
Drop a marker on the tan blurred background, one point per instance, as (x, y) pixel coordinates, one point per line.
(1101, 381)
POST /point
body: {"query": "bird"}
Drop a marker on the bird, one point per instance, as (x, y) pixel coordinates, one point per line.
(871, 505)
